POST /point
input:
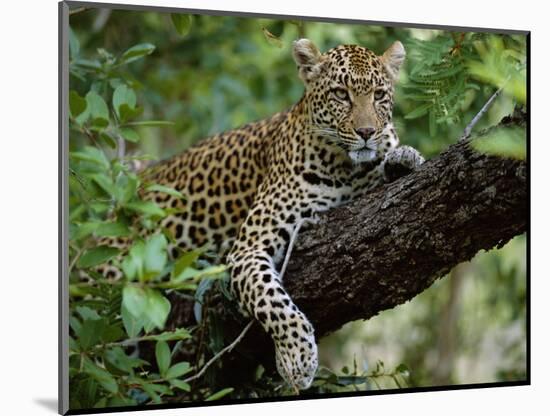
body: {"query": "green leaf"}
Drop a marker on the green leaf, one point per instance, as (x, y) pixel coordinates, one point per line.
(112, 333)
(90, 332)
(75, 325)
(88, 64)
(112, 229)
(148, 324)
(73, 345)
(135, 300)
(162, 389)
(80, 231)
(182, 23)
(186, 273)
(164, 189)
(88, 391)
(132, 265)
(176, 335)
(92, 155)
(108, 139)
(271, 38)
(98, 124)
(137, 52)
(129, 134)
(163, 356)
(104, 378)
(126, 187)
(84, 116)
(178, 370)
(74, 45)
(507, 142)
(123, 95)
(87, 313)
(155, 254)
(150, 390)
(147, 208)
(119, 401)
(127, 113)
(182, 385)
(105, 182)
(218, 395)
(403, 370)
(158, 308)
(98, 109)
(212, 272)
(418, 111)
(77, 104)
(132, 325)
(97, 255)
(184, 261)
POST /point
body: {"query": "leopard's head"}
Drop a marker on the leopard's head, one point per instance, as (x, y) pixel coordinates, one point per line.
(349, 94)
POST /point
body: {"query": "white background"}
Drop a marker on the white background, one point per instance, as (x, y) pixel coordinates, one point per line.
(28, 172)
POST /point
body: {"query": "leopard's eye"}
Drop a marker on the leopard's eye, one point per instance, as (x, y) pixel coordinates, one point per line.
(341, 94)
(379, 94)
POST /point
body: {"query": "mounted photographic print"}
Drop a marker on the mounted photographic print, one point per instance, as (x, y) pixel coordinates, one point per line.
(265, 208)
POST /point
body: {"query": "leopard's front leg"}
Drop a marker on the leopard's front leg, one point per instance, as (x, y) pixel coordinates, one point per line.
(257, 285)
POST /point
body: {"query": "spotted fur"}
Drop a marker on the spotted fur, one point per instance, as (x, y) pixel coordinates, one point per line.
(248, 188)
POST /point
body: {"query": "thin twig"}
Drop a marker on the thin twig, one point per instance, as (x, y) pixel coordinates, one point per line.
(121, 149)
(121, 143)
(292, 241)
(219, 354)
(75, 259)
(128, 342)
(481, 113)
(78, 10)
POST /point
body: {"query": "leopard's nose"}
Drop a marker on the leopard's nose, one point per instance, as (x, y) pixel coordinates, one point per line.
(365, 132)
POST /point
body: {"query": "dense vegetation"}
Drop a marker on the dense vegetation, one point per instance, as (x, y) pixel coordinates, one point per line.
(144, 86)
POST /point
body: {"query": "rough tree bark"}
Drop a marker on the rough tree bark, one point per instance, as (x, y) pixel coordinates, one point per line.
(390, 245)
(385, 248)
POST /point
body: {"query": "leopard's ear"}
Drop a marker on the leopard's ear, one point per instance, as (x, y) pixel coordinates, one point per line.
(393, 58)
(308, 58)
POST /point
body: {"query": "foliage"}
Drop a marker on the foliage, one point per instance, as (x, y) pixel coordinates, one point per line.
(504, 142)
(109, 316)
(438, 82)
(354, 380)
(448, 68)
(172, 80)
(502, 63)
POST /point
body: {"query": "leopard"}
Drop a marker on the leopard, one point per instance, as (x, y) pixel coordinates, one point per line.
(248, 190)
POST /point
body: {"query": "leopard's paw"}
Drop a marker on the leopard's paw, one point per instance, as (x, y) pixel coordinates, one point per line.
(296, 355)
(400, 162)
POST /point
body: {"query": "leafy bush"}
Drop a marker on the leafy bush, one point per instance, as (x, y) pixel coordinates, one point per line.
(108, 315)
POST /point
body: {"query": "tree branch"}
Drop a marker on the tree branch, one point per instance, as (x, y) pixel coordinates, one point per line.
(390, 245)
